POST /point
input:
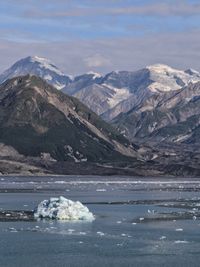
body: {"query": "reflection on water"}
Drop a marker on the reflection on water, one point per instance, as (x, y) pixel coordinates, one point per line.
(138, 222)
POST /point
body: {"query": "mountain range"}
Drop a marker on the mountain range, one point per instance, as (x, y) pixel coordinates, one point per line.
(152, 117)
(118, 92)
(110, 94)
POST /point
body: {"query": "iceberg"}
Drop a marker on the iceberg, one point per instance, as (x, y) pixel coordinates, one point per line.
(62, 208)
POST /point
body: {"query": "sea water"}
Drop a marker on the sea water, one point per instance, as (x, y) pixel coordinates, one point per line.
(138, 222)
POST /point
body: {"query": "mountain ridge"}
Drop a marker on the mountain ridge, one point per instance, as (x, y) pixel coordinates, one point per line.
(110, 94)
(44, 131)
(174, 117)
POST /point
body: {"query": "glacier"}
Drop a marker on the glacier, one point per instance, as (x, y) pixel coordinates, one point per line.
(62, 208)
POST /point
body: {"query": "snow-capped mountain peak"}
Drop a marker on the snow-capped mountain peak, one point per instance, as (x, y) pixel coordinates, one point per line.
(160, 67)
(163, 68)
(165, 78)
(46, 64)
(38, 66)
(38, 59)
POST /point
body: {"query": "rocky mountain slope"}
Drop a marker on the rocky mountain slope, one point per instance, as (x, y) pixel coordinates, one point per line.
(38, 120)
(170, 117)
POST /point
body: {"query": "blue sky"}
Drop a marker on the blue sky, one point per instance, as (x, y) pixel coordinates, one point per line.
(101, 35)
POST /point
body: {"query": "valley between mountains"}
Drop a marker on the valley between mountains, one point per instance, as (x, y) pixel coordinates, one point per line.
(141, 123)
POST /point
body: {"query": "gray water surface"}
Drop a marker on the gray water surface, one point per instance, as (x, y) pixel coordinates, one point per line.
(139, 222)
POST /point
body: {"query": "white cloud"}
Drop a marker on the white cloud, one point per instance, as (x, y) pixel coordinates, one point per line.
(96, 60)
(154, 8)
(181, 50)
(161, 8)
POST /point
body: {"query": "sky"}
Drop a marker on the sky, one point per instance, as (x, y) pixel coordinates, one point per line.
(101, 35)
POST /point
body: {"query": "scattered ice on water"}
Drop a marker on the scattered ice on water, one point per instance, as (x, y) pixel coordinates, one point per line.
(124, 235)
(120, 244)
(101, 190)
(151, 211)
(100, 233)
(181, 242)
(70, 230)
(13, 230)
(179, 230)
(163, 237)
(82, 233)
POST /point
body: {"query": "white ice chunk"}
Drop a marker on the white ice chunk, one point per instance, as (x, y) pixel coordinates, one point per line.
(181, 242)
(63, 209)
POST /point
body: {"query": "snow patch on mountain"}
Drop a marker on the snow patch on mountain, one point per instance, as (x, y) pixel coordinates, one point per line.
(46, 63)
(166, 78)
(161, 68)
(59, 86)
(48, 77)
(156, 87)
(119, 94)
(95, 74)
(192, 72)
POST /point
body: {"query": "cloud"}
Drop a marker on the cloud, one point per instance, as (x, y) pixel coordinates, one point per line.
(159, 8)
(96, 60)
(73, 12)
(181, 50)
(102, 35)
(175, 8)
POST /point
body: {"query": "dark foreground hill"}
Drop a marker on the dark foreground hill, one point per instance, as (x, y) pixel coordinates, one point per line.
(36, 119)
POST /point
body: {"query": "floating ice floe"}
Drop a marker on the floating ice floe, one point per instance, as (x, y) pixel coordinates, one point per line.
(101, 190)
(63, 209)
(181, 242)
(100, 233)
